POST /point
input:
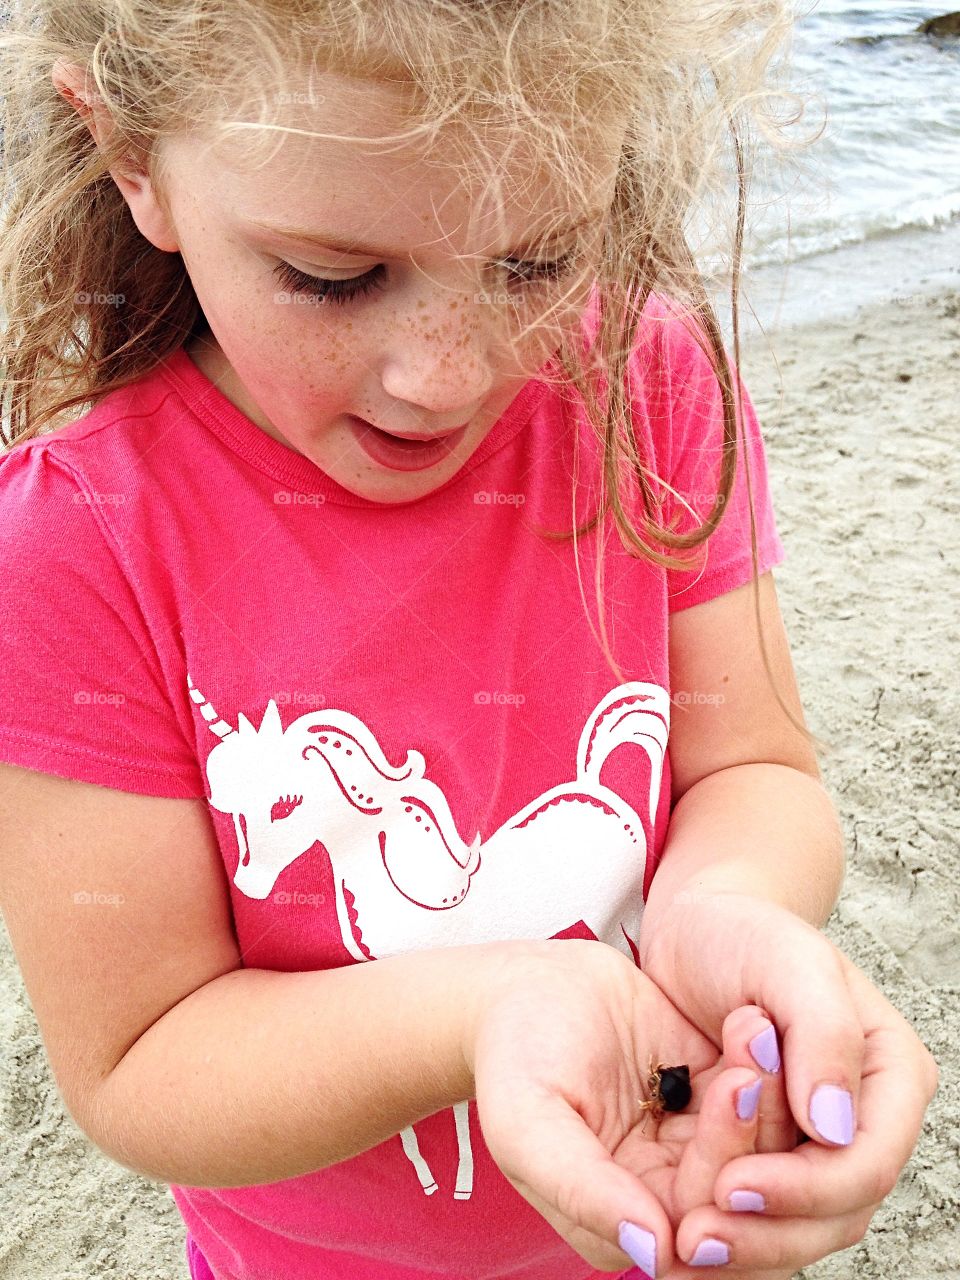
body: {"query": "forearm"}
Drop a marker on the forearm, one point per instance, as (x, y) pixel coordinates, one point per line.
(262, 1075)
(765, 830)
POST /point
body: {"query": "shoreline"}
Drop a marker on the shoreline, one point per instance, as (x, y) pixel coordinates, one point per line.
(900, 268)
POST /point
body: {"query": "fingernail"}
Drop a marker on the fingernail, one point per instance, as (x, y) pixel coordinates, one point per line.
(710, 1253)
(747, 1099)
(747, 1202)
(831, 1113)
(641, 1246)
(764, 1049)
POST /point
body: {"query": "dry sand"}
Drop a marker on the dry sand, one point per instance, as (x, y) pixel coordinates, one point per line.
(863, 444)
(866, 479)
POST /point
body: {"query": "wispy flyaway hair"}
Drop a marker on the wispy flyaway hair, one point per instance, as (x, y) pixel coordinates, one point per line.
(695, 80)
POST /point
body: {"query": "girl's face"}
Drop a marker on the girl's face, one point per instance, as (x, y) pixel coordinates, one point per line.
(344, 282)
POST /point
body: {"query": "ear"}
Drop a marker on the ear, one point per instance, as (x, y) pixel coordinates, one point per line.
(135, 184)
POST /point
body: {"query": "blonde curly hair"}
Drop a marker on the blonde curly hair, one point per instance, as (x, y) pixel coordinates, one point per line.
(693, 79)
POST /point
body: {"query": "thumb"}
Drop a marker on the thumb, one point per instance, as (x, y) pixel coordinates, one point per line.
(806, 994)
(559, 1165)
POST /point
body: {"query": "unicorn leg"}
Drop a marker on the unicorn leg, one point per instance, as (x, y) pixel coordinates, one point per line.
(412, 1151)
(464, 1187)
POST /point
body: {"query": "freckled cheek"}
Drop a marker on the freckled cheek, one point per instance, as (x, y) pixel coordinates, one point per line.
(308, 369)
(290, 351)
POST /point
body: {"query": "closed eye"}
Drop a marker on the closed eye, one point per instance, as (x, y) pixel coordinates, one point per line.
(319, 288)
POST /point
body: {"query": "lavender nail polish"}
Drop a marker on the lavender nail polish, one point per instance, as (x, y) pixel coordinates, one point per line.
(710, 1253)
(831, 1113)
(747, 1099)
(764, 1049)
(641, 1246)
(747, 1202)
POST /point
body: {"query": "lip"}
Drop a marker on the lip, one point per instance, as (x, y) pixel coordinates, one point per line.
(415, 454)
(406, 435)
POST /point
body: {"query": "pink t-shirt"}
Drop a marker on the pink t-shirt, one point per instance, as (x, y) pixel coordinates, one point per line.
(399, 715)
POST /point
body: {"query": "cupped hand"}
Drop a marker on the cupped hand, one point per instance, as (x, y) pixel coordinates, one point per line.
(734, 1111)
(840, 1036)
(560, 1052)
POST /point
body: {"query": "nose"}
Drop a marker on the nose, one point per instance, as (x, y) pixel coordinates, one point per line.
(439, 359)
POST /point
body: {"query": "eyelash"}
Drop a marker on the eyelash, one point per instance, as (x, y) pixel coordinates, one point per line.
(341, 291)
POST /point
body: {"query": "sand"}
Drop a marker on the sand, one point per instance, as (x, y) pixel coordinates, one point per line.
(866, 485)
(866, 478)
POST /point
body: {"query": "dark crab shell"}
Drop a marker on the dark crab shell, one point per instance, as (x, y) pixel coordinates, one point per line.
(675, 1090)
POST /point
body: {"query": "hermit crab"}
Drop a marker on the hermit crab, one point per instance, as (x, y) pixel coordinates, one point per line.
(670, 1087)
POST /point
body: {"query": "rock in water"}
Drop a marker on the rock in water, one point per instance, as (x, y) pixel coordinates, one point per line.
(948, 25)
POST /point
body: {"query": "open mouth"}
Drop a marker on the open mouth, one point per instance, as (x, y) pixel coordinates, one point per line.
(403, 455)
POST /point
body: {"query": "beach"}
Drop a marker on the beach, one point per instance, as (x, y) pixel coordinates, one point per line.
(861, 425)
(851, 352)
(860, 417)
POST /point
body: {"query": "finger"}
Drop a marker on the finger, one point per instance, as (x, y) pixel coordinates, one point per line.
(750, 1040)
(726, 1125)
(560, 1166)
(748, 1241)
(817, 1181)
(808, 999)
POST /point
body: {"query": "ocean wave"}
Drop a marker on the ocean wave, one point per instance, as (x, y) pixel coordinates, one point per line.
(824, 236)
(827, 236)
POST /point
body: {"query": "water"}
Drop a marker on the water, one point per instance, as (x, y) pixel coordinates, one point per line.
(889, 159)
(871, 210)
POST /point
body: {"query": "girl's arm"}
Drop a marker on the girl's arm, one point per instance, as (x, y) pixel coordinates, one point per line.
(263, 1075)
(175, 1059)
(749, 812)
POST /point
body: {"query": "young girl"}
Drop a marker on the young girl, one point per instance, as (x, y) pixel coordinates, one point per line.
(327, 324)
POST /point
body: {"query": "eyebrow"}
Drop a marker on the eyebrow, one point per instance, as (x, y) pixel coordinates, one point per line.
(326, 240)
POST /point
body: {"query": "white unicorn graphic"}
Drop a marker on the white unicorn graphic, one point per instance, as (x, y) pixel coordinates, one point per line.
(404, 878)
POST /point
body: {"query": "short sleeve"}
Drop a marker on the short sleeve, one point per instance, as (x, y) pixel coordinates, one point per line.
(82, 692)
(688, 432)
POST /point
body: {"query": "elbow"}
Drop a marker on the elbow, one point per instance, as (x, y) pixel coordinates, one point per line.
(114, 1132)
